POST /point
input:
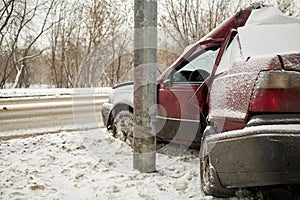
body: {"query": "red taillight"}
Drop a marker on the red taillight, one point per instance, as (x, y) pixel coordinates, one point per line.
(277, 91)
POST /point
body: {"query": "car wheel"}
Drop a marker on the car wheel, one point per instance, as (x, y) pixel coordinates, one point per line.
(123, 126)
(210, 184)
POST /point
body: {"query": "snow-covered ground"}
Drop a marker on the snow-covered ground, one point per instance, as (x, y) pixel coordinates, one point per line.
(86, 164)
(90, 165)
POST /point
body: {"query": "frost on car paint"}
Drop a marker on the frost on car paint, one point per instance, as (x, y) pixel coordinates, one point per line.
(291, 61)
(262, 39)
(253, 119)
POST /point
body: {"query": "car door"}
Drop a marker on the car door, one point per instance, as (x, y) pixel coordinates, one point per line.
(177, 119)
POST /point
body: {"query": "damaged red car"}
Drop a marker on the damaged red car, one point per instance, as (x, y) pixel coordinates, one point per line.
(253, 107)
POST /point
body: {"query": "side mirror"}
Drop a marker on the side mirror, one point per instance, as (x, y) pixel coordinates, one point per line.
(167, 83)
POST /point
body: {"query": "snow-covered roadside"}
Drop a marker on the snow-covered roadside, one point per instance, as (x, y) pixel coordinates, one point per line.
(38, 111)
(90, 165)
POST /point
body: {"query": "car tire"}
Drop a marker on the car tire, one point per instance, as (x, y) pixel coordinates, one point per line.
(210, 184)
(123, 126)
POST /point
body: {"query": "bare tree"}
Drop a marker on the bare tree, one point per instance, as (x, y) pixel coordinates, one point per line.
(188, 20)
(181, 18)
(65, 43)
(6, 12)
(109, 37)
(20, 62)
(180, 21)
(287, 6)
(6, 15)
(86, 43)
(19, 36)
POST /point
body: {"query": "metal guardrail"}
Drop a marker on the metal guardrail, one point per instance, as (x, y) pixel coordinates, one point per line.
(20, 116)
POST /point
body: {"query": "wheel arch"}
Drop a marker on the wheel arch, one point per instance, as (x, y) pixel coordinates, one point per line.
(116, 109)
(214, 186)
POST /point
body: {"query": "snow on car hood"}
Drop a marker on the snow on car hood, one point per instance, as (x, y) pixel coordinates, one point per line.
(122, 94)
(268, 31)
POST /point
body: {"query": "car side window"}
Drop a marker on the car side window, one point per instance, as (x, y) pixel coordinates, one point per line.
(196, 68)
(231, 53)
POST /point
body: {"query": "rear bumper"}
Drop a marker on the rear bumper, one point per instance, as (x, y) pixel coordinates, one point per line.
(106, 111)
(256, 156)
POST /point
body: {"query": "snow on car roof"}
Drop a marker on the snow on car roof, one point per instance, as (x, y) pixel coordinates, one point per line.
(268, 31)
(269, 15)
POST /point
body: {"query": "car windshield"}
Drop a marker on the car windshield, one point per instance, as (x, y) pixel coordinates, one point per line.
(205, 61)
(201, 60)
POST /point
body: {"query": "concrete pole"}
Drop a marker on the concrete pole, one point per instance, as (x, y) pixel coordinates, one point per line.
(145, 89)
(197, 22)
